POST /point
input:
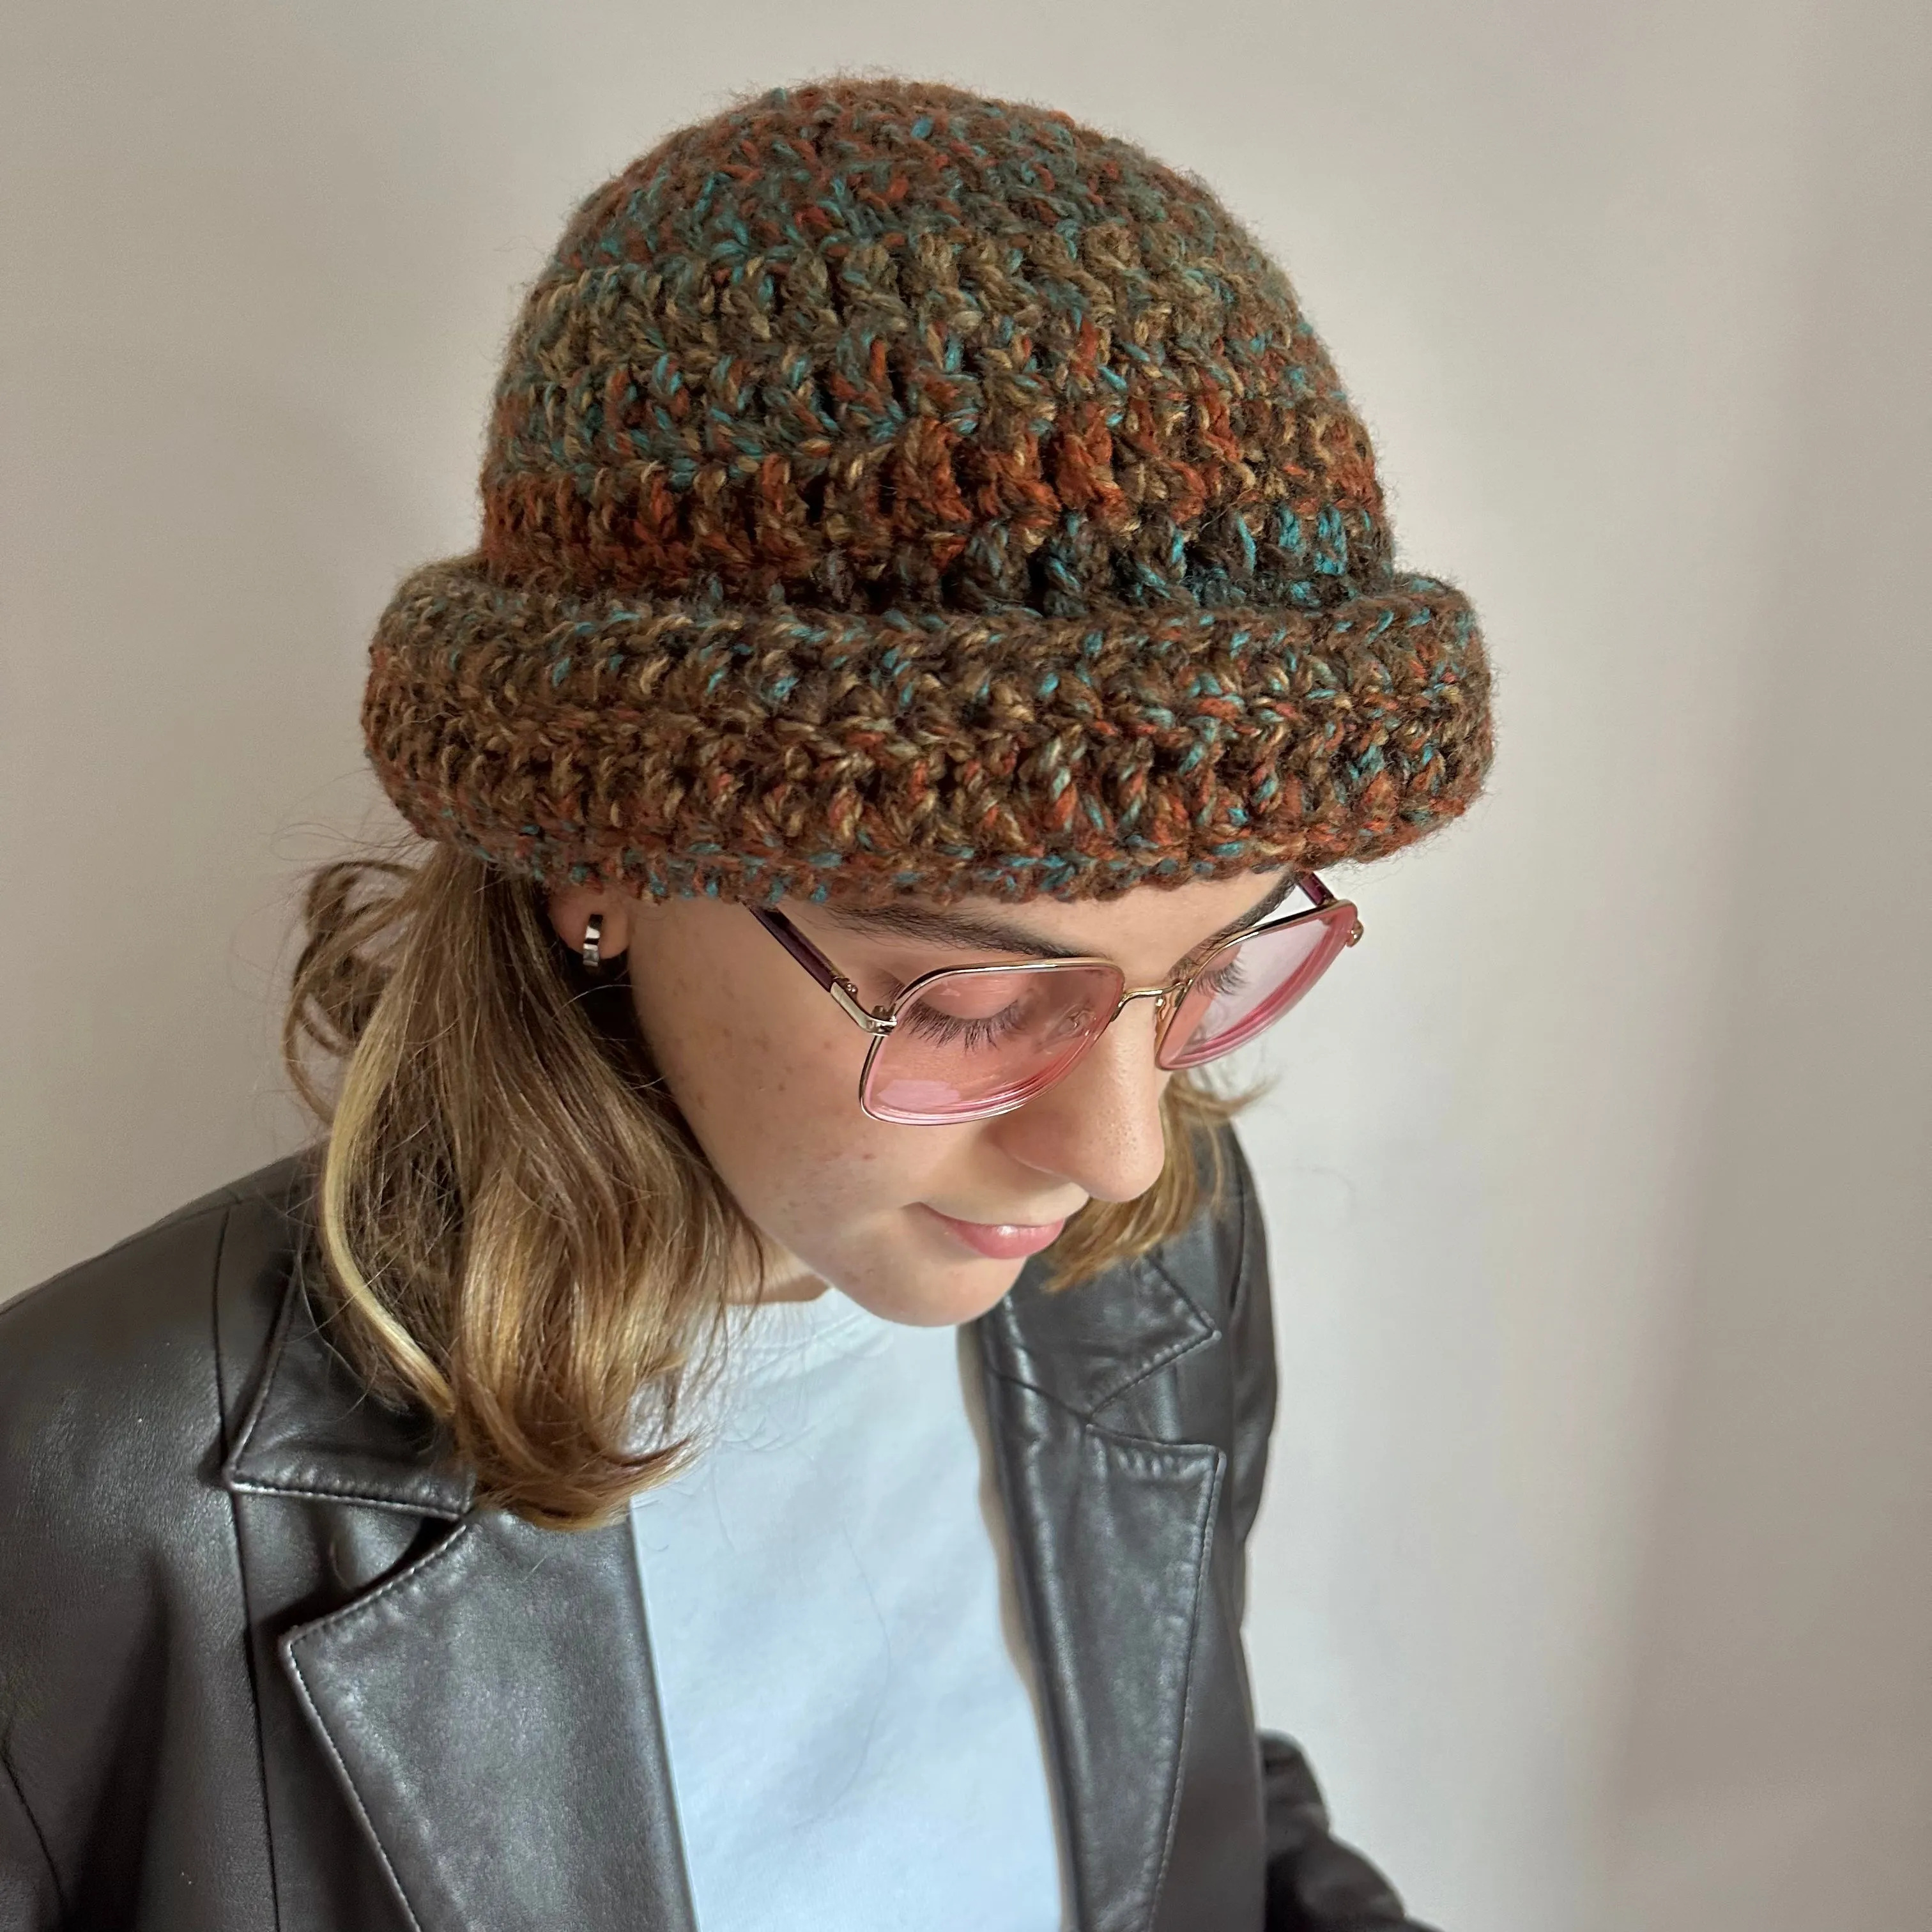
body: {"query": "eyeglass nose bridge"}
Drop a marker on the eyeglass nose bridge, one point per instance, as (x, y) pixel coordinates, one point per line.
(1164, 1008)
(1132, 993)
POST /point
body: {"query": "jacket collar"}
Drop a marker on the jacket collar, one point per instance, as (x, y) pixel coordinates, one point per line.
(503, 1641)
(1088, 1349)
(314, 1430)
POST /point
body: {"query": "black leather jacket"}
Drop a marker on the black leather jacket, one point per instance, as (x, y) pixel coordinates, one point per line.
(262, 1664)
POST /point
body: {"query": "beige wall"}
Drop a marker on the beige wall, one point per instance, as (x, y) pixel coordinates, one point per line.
(1594, 1568)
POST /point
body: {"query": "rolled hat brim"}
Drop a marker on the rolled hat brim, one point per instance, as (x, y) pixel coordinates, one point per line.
(757, 752)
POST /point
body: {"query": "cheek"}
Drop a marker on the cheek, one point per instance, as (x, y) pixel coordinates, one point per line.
(730, 1058)
(771, 1093)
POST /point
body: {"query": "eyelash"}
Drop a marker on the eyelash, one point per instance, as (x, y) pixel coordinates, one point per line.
(1226, 979)
(975, 1035)
(972, 1035)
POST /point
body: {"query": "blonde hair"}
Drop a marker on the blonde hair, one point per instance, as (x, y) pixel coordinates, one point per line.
(521, 1233)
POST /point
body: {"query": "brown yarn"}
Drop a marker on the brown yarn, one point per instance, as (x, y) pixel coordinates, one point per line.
(893, 489)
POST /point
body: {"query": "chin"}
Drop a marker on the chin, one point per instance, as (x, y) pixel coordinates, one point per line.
(937, 1302)
(925, 1293)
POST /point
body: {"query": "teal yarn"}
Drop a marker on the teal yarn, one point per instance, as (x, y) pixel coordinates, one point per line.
(891, 489)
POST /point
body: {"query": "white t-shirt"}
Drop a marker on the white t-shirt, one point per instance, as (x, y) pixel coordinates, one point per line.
(849, 1708)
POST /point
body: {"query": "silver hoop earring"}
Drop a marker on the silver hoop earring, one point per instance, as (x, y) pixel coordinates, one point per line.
(593, 942)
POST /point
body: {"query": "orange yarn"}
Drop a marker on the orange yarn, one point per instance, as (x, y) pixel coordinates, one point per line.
(891, 489)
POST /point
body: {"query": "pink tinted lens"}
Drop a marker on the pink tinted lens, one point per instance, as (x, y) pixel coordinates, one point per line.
(1250, 984)
(970, 1044)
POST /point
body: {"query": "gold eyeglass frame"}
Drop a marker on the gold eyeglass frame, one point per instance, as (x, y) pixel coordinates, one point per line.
(1172, 995)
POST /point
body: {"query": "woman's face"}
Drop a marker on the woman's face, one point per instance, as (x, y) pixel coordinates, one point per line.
(765, 1067)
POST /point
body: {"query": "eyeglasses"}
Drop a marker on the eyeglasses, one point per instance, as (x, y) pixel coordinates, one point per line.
(965, 1043)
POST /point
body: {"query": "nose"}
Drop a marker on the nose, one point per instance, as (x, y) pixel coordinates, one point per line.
(1098, 1126)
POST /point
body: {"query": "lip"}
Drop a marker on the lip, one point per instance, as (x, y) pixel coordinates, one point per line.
(1001, 1240)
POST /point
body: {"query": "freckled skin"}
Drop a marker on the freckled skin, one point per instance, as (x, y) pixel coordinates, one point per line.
(766, 1068)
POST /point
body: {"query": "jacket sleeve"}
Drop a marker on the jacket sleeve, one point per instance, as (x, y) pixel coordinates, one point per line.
(1316, 1883)
(129, 1770)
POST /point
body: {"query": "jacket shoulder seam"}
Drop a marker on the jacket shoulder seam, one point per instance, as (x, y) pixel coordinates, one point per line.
(26, 1811)
(28, 1295)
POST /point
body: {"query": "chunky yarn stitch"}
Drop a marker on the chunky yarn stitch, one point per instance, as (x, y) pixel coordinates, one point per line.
(893, 490)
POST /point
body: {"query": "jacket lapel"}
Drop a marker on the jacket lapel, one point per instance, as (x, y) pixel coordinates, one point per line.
(489, 1706)
(1111, 1526)
(490, 1709)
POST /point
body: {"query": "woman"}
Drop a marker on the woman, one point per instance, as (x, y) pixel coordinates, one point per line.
(751, 1413)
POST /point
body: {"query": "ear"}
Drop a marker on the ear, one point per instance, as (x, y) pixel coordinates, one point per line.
(570, 910)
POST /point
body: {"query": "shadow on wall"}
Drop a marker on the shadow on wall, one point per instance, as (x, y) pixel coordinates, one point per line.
(1777, 1773)
(231, 627)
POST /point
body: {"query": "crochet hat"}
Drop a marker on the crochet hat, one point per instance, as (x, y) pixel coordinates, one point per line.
(893, 490)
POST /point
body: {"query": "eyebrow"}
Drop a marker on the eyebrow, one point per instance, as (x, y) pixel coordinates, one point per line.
(944, 927)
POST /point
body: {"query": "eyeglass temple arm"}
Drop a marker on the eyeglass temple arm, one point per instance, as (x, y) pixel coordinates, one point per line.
(842, 990)
(1320, 896)
(821, 969)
